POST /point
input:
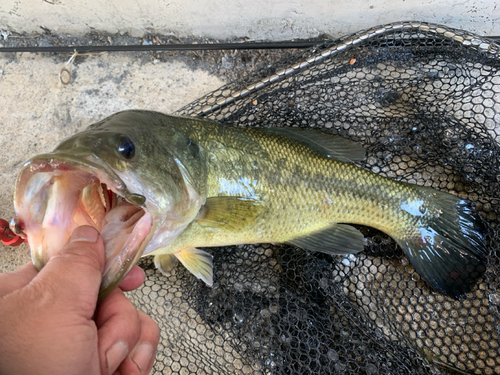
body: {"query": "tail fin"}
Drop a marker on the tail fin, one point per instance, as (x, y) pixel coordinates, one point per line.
(448, 248)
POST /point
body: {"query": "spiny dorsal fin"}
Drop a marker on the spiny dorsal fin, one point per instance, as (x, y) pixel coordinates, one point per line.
(198, 262)
(331, 146)
(335, 239)
(230, 213)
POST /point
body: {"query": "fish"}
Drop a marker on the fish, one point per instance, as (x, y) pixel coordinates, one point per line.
(168, 186)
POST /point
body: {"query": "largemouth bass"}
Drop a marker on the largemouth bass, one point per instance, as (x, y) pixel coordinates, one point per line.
(161, 185)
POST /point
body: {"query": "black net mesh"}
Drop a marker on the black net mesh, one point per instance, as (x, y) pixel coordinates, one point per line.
(425, 101)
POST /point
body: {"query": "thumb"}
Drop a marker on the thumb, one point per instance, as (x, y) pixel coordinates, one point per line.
(73, 275)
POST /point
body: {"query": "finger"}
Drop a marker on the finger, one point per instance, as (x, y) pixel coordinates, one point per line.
(71, 277)
(119, 329)
(133, 280)
(141, 359)
(16, 280)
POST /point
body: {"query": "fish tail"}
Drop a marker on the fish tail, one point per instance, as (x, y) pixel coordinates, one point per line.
(448, 246)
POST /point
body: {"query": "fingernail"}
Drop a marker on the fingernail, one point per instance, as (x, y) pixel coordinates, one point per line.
(85, 233)
(115, 355)
(141, 355)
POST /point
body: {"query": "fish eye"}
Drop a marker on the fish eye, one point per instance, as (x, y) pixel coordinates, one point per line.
(126, 147)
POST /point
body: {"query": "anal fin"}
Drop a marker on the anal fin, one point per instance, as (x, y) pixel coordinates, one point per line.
(335, 239)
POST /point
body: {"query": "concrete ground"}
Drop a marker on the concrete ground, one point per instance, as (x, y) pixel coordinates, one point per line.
(258, 19)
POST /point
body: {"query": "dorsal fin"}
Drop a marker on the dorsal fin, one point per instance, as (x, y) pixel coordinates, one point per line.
(331, 146)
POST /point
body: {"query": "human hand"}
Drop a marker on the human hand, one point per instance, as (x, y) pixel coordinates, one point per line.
(50, 322)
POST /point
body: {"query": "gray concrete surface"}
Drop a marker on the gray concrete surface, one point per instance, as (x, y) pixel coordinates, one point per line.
(257, 19)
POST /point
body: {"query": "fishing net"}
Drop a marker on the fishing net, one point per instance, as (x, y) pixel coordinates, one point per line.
(425, 101)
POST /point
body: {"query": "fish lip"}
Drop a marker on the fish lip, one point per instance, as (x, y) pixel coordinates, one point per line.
(56, 160)
(90, 163)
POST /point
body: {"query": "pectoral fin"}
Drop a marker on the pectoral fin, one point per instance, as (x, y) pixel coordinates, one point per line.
(335, 239)
(198, 262)
(229, 213)
(165, 263)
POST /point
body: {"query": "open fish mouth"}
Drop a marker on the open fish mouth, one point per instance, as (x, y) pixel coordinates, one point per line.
(55, 193)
